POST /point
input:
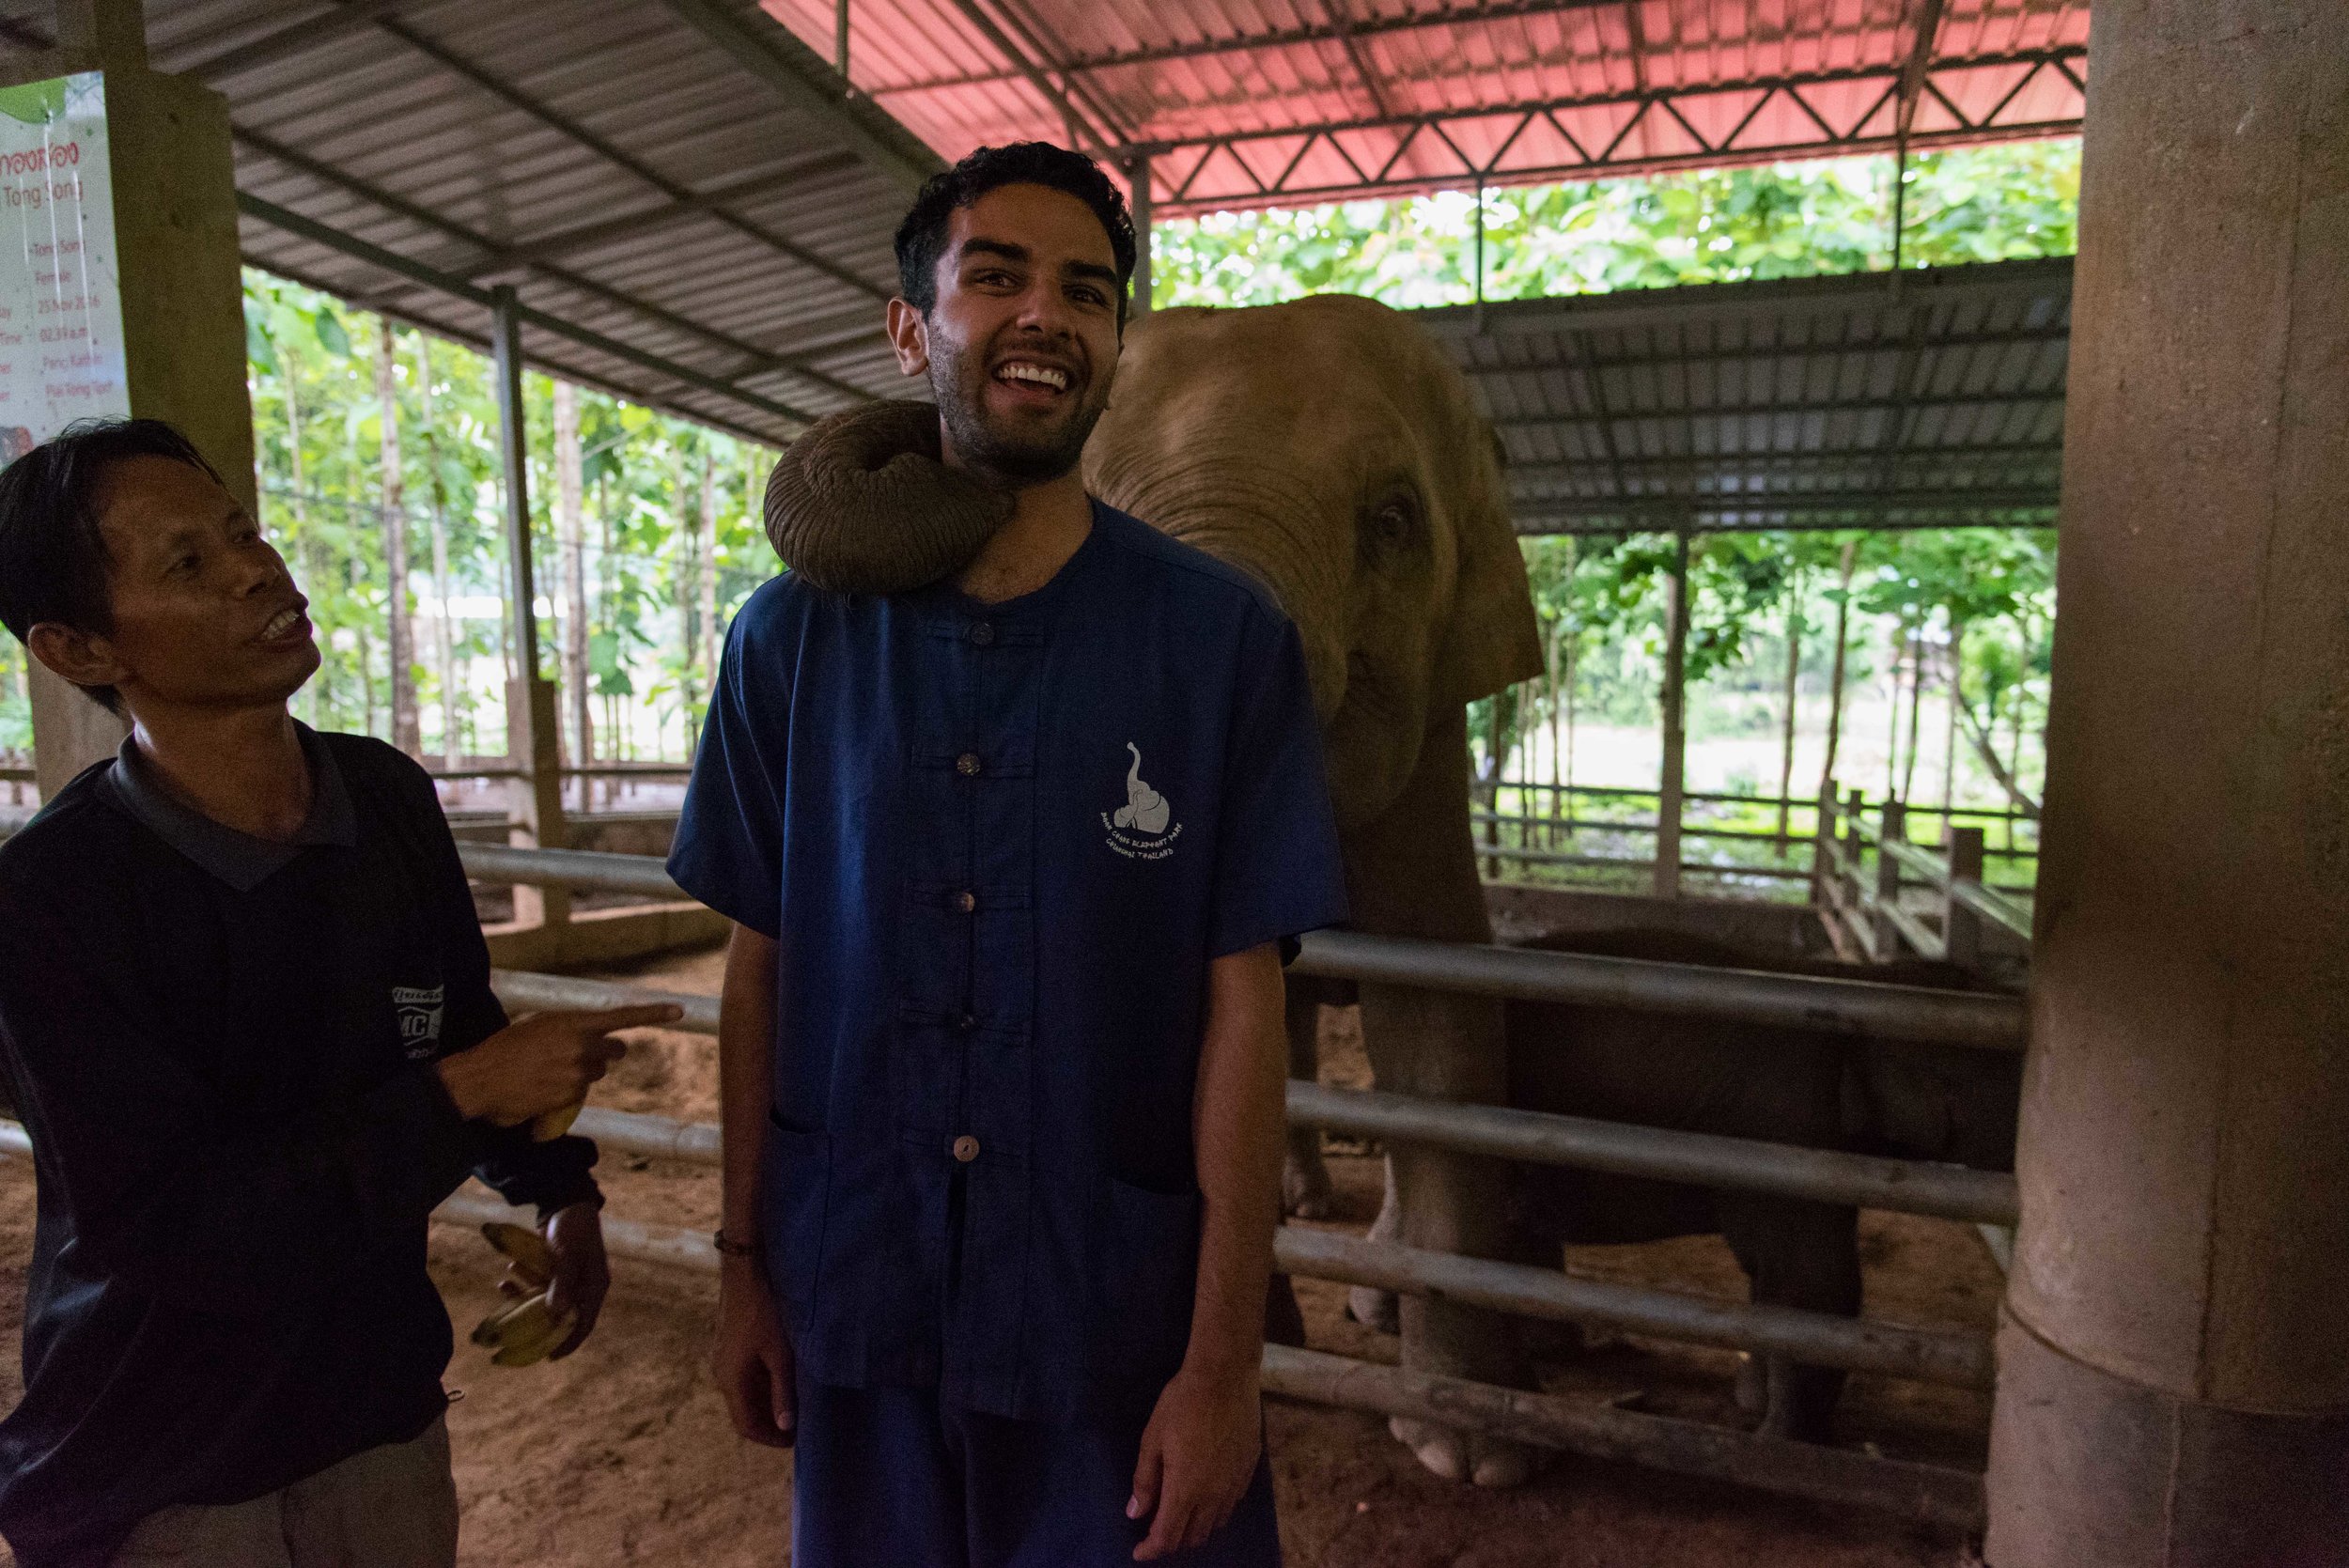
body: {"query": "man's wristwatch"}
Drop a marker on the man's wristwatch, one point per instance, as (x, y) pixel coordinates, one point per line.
(729, 1247)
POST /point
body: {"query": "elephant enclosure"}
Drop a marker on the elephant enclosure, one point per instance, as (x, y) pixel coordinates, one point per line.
(622, 1454)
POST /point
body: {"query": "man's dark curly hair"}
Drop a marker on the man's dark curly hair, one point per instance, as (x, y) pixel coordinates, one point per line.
(922, 237)
(54, 563)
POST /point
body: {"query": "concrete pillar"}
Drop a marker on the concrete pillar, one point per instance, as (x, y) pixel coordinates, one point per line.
(2173, 1372)
(182, 294)
(533, 731)
(1670, 790)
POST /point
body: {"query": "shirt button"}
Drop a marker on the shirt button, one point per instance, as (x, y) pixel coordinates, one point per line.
(966, 902)
(967, 765)
(966, 1148)
(965, 1024)
(982, 634)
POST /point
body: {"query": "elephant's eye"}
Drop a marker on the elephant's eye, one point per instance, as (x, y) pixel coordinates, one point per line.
(1392, 527)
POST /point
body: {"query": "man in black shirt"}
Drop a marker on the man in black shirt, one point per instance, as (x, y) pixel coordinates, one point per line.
(245, 1017)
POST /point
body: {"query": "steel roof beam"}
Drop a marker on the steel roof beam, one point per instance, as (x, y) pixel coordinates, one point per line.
(393, 305)
(347, 17)
(1592, 162)
(1849, 294)
(808, 85)
(1282, 38)
(1750, 408)
(1725, 463)
(571, 130)
(628, 225)
(1766, 352)
(1081, 127)
(431, 277)
(496, 257)
(1343, 24)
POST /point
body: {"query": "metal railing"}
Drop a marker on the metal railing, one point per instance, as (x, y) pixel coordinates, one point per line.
(1862, 904)
(1840, 1007)
(1558, 839)
(1853, 1007)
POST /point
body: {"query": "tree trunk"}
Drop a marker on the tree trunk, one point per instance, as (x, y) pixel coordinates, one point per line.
(1893, 719)
(312, 563)
(444, 623)
(367, 653)
(1574, 660)
(706, 548)
(571, 541)
(406, 733)
(1835, 679)
(681, 592)
(1793, 667)
(1916, 707)
(1949, 740)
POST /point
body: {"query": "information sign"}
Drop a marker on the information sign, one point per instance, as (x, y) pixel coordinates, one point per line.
(60, 288)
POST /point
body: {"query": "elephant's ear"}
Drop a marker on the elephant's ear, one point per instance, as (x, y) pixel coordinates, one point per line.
(862, 504)
(1492, 640)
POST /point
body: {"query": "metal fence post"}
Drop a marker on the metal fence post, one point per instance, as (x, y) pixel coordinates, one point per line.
(1961, 927)
(1894, 831)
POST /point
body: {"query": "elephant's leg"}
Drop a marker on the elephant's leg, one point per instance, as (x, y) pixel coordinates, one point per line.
(1304, 1180)
(1367, 1304)
(1438, 1046)
(1797, 1254)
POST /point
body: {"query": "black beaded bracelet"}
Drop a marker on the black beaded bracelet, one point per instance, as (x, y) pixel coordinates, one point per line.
(729, 1247)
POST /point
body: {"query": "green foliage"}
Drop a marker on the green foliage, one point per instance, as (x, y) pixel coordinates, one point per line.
(316, 428)
(1725, 226)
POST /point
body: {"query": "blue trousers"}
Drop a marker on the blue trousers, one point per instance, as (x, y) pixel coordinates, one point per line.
(887, 1478)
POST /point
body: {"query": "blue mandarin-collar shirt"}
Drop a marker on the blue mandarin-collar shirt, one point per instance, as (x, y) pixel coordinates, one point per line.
(998, 847)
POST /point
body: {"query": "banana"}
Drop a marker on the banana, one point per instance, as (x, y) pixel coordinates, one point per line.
(525, 1248)
(554, 1123)
(523, 1332)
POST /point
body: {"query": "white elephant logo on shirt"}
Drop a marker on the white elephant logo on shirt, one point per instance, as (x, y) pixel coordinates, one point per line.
(1145, 810)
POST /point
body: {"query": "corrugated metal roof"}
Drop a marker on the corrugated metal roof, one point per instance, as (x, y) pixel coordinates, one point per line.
(691, 214)
(694, 217)
(1255, 103)
(1927, 398)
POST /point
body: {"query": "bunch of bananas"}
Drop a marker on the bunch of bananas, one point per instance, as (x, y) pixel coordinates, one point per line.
(525, 1330)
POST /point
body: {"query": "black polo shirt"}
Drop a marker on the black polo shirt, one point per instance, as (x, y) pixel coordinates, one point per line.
(222, 1048)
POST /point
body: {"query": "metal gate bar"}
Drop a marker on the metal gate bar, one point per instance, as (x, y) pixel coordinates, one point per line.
(1705, 1160)
(1924, 1492)
(1916, 1013)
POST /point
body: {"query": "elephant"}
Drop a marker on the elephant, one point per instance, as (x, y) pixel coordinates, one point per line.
(1328, 448)
(1784, 1085)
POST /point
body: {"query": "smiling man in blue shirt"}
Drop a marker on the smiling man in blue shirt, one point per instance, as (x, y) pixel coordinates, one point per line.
(1010, 858)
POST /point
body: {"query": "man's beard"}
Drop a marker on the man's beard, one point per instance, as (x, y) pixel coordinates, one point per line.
(960, 380)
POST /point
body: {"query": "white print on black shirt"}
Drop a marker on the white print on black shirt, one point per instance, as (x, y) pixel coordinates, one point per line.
(1144, 828)
(419, 1008)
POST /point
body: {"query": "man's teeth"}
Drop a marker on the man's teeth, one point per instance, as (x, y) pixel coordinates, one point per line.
(1042, 376)
(281, 623)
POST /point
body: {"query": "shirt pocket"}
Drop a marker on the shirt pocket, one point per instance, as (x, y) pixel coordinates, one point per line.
(1150, 1270)
(795, 1183)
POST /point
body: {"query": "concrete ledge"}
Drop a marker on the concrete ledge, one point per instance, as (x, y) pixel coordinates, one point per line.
(1521, 912)
(2090, 1470)
(597, 937)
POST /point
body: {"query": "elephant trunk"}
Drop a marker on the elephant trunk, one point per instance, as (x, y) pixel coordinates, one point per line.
(863, 504)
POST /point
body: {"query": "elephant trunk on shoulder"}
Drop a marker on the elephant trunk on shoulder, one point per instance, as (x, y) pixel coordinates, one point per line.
(863, 504)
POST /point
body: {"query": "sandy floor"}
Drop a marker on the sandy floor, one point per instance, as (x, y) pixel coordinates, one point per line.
(621, 1454)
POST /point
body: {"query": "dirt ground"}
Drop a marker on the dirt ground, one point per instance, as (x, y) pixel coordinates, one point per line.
(622, 1455)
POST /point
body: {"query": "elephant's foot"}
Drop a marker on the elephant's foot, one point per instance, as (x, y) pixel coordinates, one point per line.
(1373, 1308)
(1468, 1456)
(1305, 1192)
